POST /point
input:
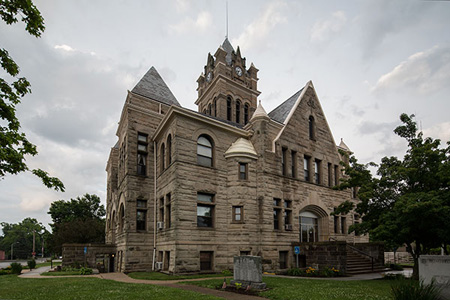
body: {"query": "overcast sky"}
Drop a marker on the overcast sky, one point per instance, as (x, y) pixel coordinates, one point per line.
(369, 61)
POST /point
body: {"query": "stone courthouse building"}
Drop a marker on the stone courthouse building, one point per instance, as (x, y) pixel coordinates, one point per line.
(189, 190)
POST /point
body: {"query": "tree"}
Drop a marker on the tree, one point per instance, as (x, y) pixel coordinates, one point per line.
(408, 202)
(20, 237)
(79, 220)
(14, 144)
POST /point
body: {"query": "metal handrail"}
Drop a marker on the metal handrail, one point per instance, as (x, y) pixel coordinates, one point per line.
(363, 253)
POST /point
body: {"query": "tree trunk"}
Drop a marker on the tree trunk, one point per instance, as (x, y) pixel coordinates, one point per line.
(415, 253)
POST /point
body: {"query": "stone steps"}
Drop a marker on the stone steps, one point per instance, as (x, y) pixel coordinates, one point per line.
(359, 264)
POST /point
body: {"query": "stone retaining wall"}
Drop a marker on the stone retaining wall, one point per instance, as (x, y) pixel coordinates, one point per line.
(97, 255)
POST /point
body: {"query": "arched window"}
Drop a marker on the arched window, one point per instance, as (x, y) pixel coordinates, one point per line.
(163, 157)
(215, 107)
(209, 109)
(245, 113)
(204, 151)
(238, 111)
(169, 150)
(121, 217)
(229, 108)
(312, 128)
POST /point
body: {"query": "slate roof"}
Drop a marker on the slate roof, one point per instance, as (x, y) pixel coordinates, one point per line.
(226, 45)
(280, 113)
(153, 86)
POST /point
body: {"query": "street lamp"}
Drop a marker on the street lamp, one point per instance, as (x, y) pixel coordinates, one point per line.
(12, 249)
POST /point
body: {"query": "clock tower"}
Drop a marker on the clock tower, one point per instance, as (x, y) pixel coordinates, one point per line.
(227, 89)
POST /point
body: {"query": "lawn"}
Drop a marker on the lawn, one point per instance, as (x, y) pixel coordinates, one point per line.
(162, 276)
(12, 287)
(310, 289)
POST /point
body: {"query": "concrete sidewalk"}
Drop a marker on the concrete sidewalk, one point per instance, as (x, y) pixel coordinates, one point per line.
(35, 272)
(175, 284)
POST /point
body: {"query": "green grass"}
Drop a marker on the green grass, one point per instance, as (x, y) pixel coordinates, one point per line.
(13, 287)
(162, 276)
(310, 289)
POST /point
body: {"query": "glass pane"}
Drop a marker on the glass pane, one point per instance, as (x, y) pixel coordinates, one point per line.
(205, 197)
(204, 161)
(204, 221)
(204, 141)
(142, 138)
(204, 151)
(142, 147)
(204, 211)
(141, 203)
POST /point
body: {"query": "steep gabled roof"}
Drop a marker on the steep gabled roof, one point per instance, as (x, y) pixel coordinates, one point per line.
(153, 86)
(280, 113)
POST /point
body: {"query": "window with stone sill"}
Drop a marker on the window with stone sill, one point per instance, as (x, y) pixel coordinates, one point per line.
(306, 167)
(142, 151)
(168, 217)
(238, 214)
(243, 171)
(277, 209)
(205, 210)
(141, 215)
(287, 215)
(283, 161)
(205, 151)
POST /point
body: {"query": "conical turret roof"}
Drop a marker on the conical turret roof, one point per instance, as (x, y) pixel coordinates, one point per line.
(260, 112)
(153, 86)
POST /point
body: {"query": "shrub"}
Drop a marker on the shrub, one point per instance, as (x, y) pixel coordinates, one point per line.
(406, 289)
(85, 271)
(227, 273)
(5, 272)
(31, 264)
(396, 267)
(16, 268)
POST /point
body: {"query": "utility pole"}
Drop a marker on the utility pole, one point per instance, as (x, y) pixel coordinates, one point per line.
(34, 244)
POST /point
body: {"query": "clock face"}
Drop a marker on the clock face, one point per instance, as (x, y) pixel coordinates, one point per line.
(238, 71)
(209, 77)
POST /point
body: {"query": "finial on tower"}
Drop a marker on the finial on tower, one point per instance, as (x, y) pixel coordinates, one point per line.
(226, 36)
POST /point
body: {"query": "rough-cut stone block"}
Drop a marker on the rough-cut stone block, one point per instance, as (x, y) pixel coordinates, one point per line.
(437, 268)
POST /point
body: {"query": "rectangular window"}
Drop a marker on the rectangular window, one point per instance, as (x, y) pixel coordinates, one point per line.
(238, 214)
(336, 174)
(317, 172)
(142, 154)
(283, 259)
(206, 262)
(306, 161)
(276, 214)
(161, 209)
(287, 216)
(336, 224)
(168, 212)
(330, 174)
(205, 210)
(141, 215)
(243, 171)
(283, 161)
(294, 164)
(343, 225)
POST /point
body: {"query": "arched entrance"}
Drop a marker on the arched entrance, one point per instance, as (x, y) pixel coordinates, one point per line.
(313, 221)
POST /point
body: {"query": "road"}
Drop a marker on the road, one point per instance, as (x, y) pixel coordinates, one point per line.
(6, 263)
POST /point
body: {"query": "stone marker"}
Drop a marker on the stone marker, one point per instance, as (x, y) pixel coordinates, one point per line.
(248, 271)
(436, 267)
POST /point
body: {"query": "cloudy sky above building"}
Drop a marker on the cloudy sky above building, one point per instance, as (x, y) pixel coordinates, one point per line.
(369, 61)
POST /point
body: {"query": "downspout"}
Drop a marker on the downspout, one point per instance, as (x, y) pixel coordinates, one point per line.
(154, 205)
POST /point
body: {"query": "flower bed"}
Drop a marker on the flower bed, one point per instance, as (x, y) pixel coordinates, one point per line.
(312, 272)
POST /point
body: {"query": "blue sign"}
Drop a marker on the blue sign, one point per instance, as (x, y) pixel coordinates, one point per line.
(297, 249)
(85, 250)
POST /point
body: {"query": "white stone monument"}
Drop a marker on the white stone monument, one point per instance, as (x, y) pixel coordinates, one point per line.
(248, 272)
(437, 268)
